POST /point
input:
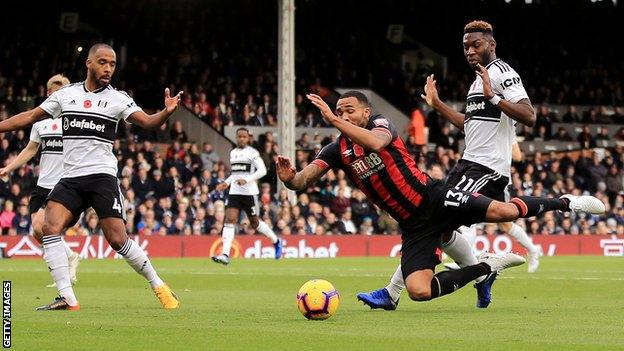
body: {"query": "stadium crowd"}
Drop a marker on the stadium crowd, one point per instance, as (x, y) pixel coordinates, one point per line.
(229, 83)
(169, 181)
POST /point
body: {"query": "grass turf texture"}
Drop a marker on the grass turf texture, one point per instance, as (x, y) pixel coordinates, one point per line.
(571, 303)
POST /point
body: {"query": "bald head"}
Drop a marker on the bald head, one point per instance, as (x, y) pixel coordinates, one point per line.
(97, 47)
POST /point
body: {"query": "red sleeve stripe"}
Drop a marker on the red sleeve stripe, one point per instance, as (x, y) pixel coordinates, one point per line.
(322, 164)
(383, 130)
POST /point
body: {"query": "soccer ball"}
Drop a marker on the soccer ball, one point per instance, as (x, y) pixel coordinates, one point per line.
(318, 299)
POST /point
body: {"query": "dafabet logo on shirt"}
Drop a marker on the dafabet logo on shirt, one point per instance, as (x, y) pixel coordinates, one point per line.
(82, 124)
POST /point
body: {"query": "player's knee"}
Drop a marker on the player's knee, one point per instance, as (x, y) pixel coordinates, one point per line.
(117, 241)
(254, 222)
(37, 229)
(37, 234)
(502, 212)
(51, 228)
(509, 212)
(116, 238)
(419, 293)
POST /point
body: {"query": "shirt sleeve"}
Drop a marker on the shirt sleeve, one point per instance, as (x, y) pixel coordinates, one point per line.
(34, 134)
(382, 124)
(261, 170)
(129, 108)
(509, 85)
(329, 156)
(52, 105)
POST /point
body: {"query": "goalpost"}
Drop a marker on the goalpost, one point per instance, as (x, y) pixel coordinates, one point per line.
(286, 83)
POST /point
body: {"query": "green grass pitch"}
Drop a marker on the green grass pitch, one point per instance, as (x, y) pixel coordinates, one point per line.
(571, 303)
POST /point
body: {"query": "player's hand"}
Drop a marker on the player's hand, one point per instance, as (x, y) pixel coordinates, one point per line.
(241, 181)
(172, 102)
(431, 92)
(222, 186)
(285, 170)
(4, 172)
(485, 77)
(327, 113)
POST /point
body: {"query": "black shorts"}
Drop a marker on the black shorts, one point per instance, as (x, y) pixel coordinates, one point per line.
(247, 203)
(37, 199)
(475, 178)
(100, 191)
(446, 208)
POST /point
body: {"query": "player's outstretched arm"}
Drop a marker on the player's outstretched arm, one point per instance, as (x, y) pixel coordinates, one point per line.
(155, 120)
(22, 120)
(433, 100)
(521, 111)
(24, 156)
(372, 140)
(298, 180)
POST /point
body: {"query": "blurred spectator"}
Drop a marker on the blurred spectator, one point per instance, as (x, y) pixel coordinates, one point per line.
(177, 133)
(562, 135)
(571, 116)
(545, 118)
(603, 134)
(142, 185)
(22, 221)
(347, 221)
(6, 216)
(367, 227)
(333, 225)
(340, 203)
(585, 138)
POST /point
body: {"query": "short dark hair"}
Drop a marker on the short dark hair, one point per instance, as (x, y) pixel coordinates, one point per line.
(242, 129)
(479, 26)
(361, 98)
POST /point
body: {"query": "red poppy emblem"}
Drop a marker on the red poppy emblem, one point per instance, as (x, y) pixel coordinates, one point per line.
(358, 150)
(87, 104)
(54, 127)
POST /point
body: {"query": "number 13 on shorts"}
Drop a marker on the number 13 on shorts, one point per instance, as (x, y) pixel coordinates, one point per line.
(454, 198)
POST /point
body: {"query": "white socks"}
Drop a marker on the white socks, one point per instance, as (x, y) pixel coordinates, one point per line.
(459, 249)
(521, 236)
(56, 259)
(137, 259)
(397, 284)
(68, 250)
(470, 233)
(264, 229)
(227, 236)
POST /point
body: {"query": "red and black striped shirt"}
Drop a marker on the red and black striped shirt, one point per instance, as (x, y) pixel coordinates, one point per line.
(389, 178)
